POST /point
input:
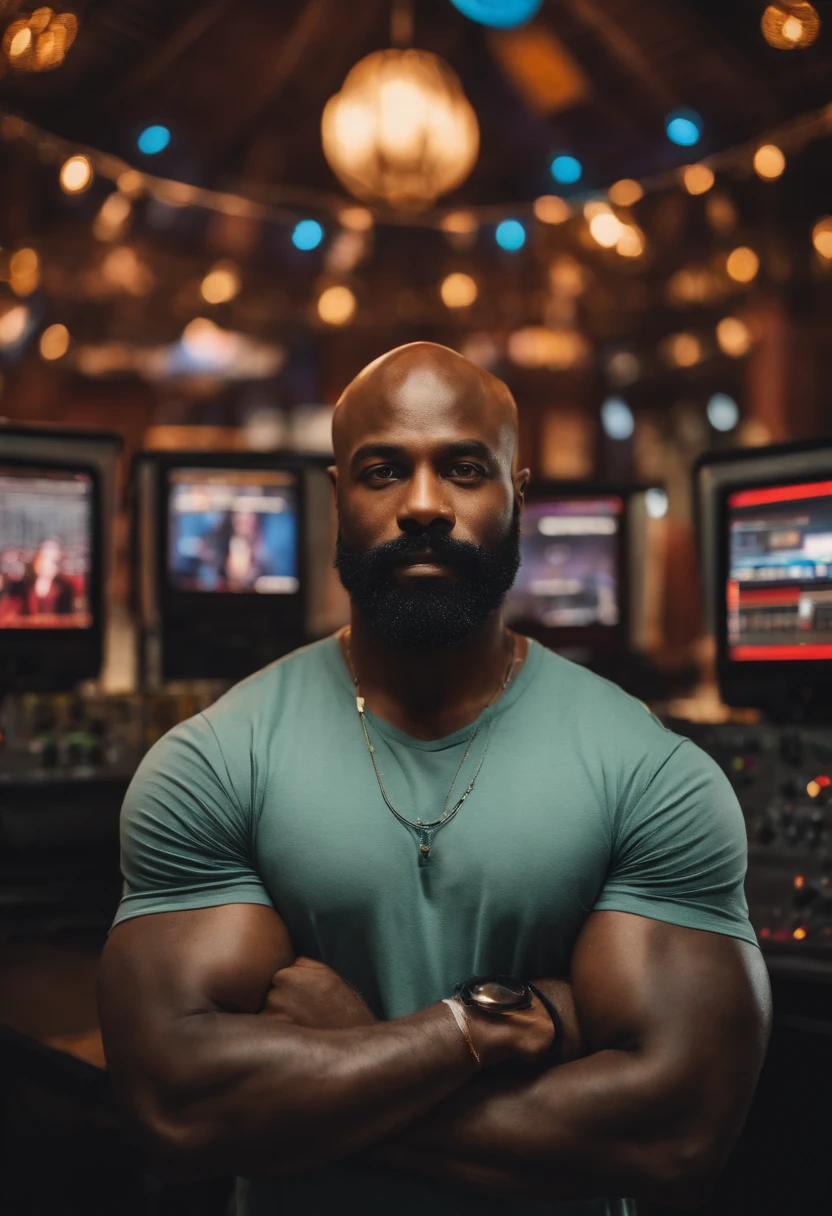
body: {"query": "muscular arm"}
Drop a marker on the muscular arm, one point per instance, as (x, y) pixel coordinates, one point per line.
(676, 1022)
(214, 1083)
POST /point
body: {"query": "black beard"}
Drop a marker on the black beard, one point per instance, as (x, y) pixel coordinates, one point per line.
(433, 612)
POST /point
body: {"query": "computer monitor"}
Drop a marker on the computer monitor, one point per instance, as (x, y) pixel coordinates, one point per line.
(766, 528)
(221, 562)
(50, 573)
(571, 591)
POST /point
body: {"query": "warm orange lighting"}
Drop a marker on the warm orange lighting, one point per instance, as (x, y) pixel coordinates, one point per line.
(221, 283)
(799, 933)
(20, 41)
(458, 290)
(337, 305)
(554, 348)
(122, 268)
(733, 337)
(681, 350)
(769, 162)
(357, 219)
(742, 264)
(813, 789)
(799, 882)
(54, 342)
(822, 236)
(40, 41)
(697, 179)
(630, 243)
(24, 272)
(550, 209)
(13, 325)
(110, 222)
(604, 227)
(790, 26)
(460, 223)
(76, 175)
(131, 183)
(625, 193)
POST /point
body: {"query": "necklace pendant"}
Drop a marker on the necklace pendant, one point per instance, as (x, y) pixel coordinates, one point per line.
(425, 844)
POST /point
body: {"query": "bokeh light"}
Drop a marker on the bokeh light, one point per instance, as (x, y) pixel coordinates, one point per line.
(617, 418)
(697, 179)
(723, 412)
(307, 234)
(656, 502)
(221, 283)
(356, 219)
(566, 169)
(54, 342)
(769, 162)
(626, 193)
(337, 305)
(510, 235)
(153, 140)
(458, 290)
(681, 350)
(24, 272)
(742, 264)
(822, 236)
(683, 127)
(550, 209)
(39, 42)
(501, 14)
(733, 337)
(13, 325)
(111, 220)
(630, 243)
(76, 175)
(791, 26)
(605, 229)
(459, 223)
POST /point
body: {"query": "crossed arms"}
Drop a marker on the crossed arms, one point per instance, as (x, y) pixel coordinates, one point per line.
(230, 1057)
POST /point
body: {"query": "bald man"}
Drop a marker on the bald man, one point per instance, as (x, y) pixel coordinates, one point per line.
(423, 918)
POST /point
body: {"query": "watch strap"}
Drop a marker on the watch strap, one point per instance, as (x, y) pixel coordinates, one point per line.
(555, 1055)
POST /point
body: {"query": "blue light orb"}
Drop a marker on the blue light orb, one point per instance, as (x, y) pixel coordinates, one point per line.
(617, 418)
(656, 502)
(510, 235)
(566, 169)
(683, 127)
(501, 14)
(723, 412)
(153, 140)
(307, 234)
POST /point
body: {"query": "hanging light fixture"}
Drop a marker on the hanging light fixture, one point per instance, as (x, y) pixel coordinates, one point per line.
(401, 131)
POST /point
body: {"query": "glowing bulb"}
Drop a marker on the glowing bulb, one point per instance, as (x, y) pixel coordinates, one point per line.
(510, 235)
(20, 43)
(337, 305)
(822, 236)
(13, 325)
(790, 26)
(723, 412)
(153, 140)
(550, 209)
(307, 234)
(742, 264)
(683, 127)
(625, 193)
(792, 29)
(357, 219)
(733, 337)
(617, 418)
(76, 175)
(221, 283)
(769, 162)
(630, 243)
(697, 179)
(605, 230)
(566, 169)
(458, 290)
(54, 342)
(656, 503)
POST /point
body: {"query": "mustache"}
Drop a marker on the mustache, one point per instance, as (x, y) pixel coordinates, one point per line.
(461, 554)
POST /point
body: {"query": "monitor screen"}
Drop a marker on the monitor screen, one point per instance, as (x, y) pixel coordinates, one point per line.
(569, 574)
(233, 530)
(46, 548)
(779, 586)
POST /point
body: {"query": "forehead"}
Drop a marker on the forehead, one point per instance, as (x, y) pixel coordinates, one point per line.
(427, 405)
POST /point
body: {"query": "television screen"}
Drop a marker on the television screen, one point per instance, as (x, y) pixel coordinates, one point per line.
(779, 587)
(233, 530)
(46, 547)
(569, 574)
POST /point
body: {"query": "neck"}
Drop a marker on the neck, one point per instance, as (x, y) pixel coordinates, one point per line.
(430, 693)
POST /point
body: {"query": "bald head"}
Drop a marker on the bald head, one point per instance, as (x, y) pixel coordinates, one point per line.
(428, 387)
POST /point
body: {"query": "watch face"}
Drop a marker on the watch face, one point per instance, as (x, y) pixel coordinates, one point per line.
(497, 993)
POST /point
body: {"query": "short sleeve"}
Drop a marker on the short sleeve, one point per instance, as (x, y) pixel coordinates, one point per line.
(186, 839)
(680, 852)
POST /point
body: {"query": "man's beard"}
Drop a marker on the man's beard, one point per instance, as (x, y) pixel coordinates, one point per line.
(429, 612)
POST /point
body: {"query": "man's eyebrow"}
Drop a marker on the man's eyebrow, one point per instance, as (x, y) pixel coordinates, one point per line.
(454, 450)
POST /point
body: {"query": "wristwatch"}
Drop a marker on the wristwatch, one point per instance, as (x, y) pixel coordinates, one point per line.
(495, 993)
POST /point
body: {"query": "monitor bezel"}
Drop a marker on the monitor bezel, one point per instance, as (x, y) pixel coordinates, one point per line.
(744, 682)
(597, 638)
(91, 634)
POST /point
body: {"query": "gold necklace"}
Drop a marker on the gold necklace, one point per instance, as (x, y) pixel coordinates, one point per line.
(427, 831)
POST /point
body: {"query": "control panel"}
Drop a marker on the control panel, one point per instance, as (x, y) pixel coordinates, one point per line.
(783, 780)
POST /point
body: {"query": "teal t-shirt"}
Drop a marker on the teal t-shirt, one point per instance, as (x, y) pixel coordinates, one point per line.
(584, 801)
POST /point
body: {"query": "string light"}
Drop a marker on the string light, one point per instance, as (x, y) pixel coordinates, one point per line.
(337, 305)
(683, 127)
(721, 212)
(153, 140)
(697, 179)
(733, 337)
(458, 290)
(76, 175)
(54, 342)
(24, 272)
(626, 193)
(221, 283)
(550, 209)
(769, 162)
(822, 237)
(510, 235)
(723, 412)
(630, 243)
(742, 264)
(790, 26)
(307, 234)
(605, 227)
(566, 169)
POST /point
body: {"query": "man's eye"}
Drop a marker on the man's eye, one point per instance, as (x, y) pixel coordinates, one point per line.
(381, 472)
(466, 470)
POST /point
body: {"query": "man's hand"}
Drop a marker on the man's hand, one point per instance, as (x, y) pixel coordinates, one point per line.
(559, 992)
(312, 995)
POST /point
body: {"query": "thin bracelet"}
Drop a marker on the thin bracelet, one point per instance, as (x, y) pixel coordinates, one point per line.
(462, 1022)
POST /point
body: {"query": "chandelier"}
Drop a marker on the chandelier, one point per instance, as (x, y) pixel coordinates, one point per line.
(401, 131)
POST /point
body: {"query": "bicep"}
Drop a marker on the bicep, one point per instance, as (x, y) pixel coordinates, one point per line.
(694, 1005)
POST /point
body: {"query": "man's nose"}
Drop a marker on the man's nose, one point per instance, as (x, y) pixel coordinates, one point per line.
(426, 503)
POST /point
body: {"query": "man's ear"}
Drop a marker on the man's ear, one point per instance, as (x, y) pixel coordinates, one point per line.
(521, 482)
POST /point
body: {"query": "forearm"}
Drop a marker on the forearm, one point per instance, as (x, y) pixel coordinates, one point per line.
(255, 1095)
